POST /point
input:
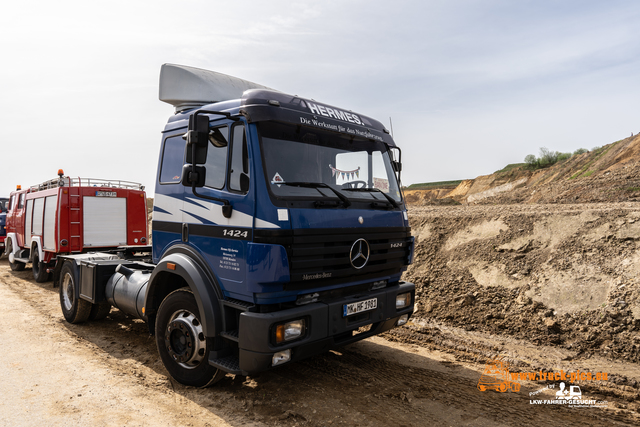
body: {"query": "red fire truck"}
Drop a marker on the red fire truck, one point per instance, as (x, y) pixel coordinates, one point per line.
(72, 215)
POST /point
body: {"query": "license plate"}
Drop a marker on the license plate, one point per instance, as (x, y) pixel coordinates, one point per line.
(106, 194)
(359, 307)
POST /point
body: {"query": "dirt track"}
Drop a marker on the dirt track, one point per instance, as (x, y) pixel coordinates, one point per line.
(109, 373)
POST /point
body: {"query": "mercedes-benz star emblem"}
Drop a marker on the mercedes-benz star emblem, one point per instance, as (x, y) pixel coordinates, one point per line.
(359, 254)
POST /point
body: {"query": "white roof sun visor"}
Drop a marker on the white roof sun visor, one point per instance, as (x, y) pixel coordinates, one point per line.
(188, 87)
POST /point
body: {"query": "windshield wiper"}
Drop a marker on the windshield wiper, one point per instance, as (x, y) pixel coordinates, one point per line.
(345, 201)
(376, 190)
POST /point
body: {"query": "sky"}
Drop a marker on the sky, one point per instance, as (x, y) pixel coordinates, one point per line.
(467, 86)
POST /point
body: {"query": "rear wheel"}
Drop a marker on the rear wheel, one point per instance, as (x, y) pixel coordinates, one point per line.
(39, 268)
(181, 342)
(74, 309)
(99, 311)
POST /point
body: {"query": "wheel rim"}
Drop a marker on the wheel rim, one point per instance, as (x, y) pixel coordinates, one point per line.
(184, 339)
(68, 291)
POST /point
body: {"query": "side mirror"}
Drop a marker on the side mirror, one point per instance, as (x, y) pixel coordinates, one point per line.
(193, 174)
(397, 166)
(197, 139)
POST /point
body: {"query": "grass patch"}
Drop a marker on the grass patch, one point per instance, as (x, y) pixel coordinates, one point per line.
(432, 185)
(510, 167)
(598, 152)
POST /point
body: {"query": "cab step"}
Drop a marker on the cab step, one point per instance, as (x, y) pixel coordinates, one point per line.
(238, 305)
(229, 364)
(230, 335)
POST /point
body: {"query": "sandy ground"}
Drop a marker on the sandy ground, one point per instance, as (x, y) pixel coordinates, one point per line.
(108, 373)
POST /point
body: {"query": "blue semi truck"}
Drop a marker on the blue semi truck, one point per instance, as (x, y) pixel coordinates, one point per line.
(279, 232)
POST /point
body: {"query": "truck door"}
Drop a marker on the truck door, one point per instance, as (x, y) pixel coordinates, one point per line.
(167, 225)
(223, 241)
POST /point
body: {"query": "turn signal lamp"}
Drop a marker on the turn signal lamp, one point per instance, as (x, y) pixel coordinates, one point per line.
(289, 331)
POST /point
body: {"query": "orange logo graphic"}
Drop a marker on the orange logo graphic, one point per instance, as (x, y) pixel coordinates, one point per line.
(496, 377)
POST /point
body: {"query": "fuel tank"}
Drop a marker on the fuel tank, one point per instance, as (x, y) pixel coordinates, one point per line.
(126, 290)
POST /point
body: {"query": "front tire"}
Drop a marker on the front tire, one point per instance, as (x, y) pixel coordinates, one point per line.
(74, 309)
(39, 269)
(181, 342)
(16, 265)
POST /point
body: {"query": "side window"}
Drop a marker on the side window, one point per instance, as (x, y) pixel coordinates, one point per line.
(21, 202)
(239, 160)
(12, 199)
(380, 177)
(172, 159)
(216, 164)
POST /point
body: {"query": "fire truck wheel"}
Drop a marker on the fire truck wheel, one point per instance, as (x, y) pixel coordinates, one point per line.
(99, 311)
(39, 269)
(74, 309)
(16, 265)
(181, 342)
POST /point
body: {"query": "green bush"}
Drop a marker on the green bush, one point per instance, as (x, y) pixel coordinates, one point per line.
(580, 151)
(531, 160)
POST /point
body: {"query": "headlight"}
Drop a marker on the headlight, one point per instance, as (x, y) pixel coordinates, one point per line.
(290, 331)
(403, 300)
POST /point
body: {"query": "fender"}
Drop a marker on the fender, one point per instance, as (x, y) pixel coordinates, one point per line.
(38, 243)
(183, 262)
(13, 239)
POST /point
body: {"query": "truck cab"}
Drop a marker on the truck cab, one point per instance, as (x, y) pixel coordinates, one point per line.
(287, 203)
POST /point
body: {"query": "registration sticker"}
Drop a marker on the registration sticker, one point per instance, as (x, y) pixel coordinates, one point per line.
(106, 194)
(359, 307)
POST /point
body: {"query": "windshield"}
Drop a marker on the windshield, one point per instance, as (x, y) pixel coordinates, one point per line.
(3, 205)
(358, 168)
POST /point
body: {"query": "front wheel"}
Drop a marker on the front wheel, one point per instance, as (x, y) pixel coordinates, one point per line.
(15, 265)
(181, 342)
(74, 309)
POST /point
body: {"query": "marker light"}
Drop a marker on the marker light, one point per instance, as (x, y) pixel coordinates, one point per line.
(289, 331)
(281, 357)
(403, 300)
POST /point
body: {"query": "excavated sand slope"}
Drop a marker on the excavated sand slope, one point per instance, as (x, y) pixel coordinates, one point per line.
(564, 275)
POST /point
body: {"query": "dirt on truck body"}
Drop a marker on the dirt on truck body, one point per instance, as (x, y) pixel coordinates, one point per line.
(547, 289)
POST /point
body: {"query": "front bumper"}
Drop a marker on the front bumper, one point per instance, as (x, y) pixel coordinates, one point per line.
(327, 328)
